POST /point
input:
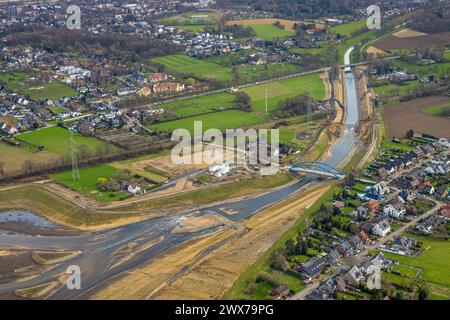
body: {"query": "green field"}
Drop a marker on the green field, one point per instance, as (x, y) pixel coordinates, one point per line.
(220, 120)
(347, 29)
(270, 32)
(437, 111)
(194, 27)
(202, 104)
(319, 50)
(56, 140)
(52, 90)
(283, 89)
(57, 109)
(253, 73)
(16, 81)
(87, 184)
(434, 261)
(424, 70)
(239, 289)
(191, 18)
(394, 90)
(188, 65)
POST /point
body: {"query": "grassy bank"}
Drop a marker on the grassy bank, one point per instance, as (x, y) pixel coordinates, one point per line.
(262, 264)
(54, 208)
(217, 193)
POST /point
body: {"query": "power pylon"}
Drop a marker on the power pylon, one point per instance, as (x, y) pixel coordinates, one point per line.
(73, 153)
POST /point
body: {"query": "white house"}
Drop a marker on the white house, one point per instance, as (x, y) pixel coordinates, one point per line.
(134, 189)
(381, 228)
(395, 211)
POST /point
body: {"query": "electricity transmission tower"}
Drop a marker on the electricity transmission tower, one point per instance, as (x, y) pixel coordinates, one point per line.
(73, 153)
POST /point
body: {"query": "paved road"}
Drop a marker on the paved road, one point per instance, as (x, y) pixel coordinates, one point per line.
(360, 256)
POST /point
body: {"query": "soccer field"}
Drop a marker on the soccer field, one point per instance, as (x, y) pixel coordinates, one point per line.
(188, 65)
(56, 140)
(281, 90)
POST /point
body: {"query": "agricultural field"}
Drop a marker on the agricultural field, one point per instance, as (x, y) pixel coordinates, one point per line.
(56, 140)
(188, 65)
(87, 185)
(420, 42)
(219, 120)
(203, 104)
(265, 29)
(16, 156)
(409, 115)
(280, 90)
(347, 29)
(16, 81)
(270, 32)
(288, 24)
(433, 261)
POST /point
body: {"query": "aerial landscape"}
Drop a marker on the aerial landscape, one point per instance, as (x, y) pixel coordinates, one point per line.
(224, 150)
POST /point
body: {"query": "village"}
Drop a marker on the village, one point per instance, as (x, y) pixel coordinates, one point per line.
(343, 253)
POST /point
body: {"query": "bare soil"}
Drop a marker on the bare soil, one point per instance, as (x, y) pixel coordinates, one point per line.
(408, 115)
(424, 41)
(408, 33)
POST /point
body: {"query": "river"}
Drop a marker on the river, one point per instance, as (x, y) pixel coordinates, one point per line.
(98, 248)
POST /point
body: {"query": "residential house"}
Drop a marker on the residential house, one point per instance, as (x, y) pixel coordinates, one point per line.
(372, 205)
(354, 276)
(395, 210)
(313, 268)
(403, 245)
(145, 92)
(426, 188)
(363, 236)
(345, 248)
(9, 129)
(281, 292)
(169, 87)
(381, 228)
(382, 173)
(356, 243)
(134, 189)
(333, 257)
(157, 77)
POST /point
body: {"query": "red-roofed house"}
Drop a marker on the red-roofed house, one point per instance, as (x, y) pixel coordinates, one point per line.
(157, 77)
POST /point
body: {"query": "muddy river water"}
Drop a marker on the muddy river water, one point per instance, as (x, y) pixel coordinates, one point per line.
(97, 261)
